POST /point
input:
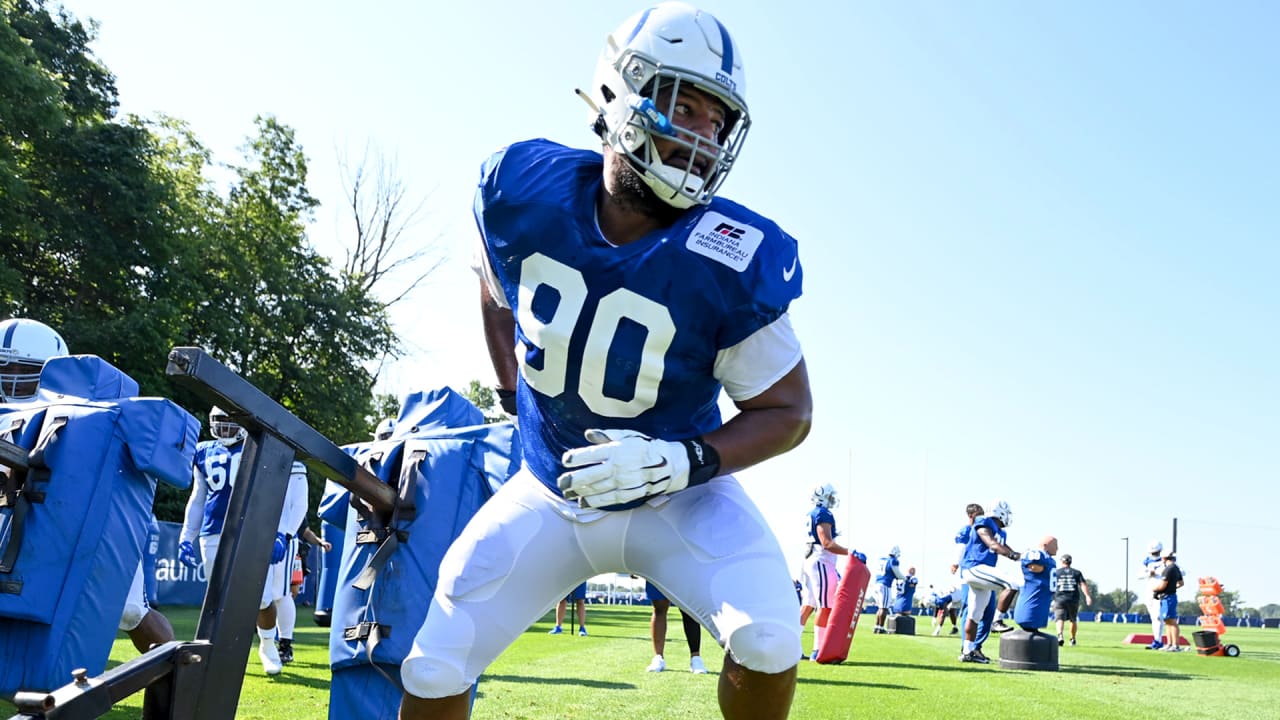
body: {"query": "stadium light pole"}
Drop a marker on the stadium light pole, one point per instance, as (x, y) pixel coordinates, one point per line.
(1126, 574)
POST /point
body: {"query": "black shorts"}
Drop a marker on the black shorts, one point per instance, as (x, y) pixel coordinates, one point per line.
(1066, 610)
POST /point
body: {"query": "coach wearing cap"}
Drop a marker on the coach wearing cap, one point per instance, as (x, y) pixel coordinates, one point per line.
(1068, 584)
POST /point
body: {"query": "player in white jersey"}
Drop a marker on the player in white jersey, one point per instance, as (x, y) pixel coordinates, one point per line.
(620, 297)
(217, 462)
(1152, 571)
(819, 576)
(25, 346)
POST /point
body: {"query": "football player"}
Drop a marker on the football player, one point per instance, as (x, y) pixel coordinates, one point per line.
(620, 295)
(904, 593)
(945, 603)
(984, 544)
(1036, 597)
(25, 346)
(890, 573)
(217, 462)
(819, 576)
(1152, 569)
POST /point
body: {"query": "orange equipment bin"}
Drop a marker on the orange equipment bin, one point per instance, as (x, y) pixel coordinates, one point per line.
(1207, 638)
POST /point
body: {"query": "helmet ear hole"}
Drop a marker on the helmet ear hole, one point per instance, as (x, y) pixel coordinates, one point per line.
(607, 93)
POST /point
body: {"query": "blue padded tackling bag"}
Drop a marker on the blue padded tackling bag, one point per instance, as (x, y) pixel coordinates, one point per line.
(386, 580)
(73, 526)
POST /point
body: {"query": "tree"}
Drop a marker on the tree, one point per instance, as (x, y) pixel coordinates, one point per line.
(382, 212)
(110, 233)
(484, 398)
(1116, 601)
(1270, 610)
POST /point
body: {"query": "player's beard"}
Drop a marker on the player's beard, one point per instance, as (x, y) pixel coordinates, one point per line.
(631, 193)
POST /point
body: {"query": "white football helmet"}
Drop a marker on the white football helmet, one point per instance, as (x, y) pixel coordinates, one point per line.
(24, 347)
(664, 48)
(1155, 547)
(222, 429)
(1000, 511)
(895, 551)
(825, 495)
(385, 428)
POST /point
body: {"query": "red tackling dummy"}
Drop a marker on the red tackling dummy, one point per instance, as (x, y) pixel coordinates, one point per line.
(845, 613)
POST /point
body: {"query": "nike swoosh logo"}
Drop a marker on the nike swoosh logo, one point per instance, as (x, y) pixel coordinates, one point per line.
(788, 273)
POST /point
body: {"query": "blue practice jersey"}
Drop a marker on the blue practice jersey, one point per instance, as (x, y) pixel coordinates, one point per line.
(620, 337)
(216, 466)
(889, 571)
(976, 552)
(905, 594)
(1036, 596)
(817, 516)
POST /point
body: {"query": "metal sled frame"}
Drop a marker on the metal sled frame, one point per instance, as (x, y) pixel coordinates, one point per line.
(202, 678)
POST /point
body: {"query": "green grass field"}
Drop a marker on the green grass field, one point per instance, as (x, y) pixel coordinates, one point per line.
(887, 676)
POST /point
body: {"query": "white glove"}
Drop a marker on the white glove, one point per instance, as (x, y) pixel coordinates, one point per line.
(621, 466)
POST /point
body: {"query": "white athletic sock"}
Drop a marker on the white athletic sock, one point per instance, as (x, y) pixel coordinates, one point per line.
(286, 617)
(267, 633)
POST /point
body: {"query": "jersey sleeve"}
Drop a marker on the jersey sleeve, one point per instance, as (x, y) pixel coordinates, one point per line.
(194, 514)
(755, 364)
(295, 500)
(480, 261)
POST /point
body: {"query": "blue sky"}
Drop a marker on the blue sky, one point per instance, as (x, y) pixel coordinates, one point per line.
(1040, 240)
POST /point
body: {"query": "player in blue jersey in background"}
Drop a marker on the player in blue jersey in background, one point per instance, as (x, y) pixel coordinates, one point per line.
(25, 346)
(216, 463)
(904, 593)
(1036, 597)
(985, 543)
(620, 295)
(945, 604)
(819, 577)
(890, 572)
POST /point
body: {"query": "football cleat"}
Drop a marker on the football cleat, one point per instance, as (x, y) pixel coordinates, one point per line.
(557, 630)
(657, 664)
(1000, 626)
(582, 630)
(974, 657)
(1060, 640)
(285, 648)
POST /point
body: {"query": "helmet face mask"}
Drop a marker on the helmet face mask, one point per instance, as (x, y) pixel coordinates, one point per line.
(25, 345)
(647, 64)
(1000, 511)
(223, 430)
(825, 496)
(895, 551)
(384, 429)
